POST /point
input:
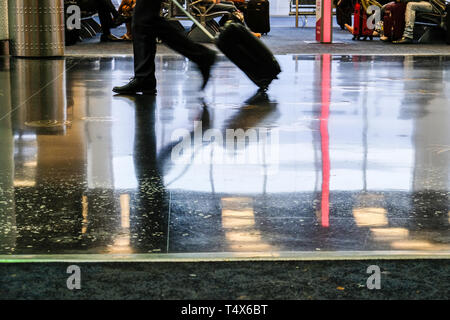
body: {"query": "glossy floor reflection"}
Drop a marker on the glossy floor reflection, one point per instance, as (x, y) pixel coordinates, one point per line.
(346, 153)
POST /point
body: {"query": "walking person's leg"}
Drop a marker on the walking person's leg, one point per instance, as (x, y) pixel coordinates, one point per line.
(111, 7)
(105, 20)
(144, 49)
(179, 42)
(147, 25)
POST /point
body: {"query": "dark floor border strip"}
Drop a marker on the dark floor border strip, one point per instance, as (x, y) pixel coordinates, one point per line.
(228, 256)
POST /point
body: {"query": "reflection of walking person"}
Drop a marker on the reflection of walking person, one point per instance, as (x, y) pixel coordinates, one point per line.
(147, 25)
(150, 203)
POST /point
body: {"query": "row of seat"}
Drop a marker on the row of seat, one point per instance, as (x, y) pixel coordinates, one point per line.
(204, 12)
(430, 27)
(429, 23)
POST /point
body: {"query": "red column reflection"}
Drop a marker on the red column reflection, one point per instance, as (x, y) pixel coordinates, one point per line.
(325, 139)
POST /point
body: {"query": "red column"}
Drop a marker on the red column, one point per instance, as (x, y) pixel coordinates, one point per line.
(325, 139)
(324, 21)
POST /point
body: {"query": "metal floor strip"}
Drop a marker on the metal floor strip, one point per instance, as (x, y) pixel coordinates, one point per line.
(228, 257)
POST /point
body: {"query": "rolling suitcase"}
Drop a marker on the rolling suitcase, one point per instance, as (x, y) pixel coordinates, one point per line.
(249, 54)
(245, 50)
(360, 29)
(258, 16)
(394, 20)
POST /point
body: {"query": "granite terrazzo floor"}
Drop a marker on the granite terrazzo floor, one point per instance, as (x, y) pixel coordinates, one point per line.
(344, 154)
(336, 280)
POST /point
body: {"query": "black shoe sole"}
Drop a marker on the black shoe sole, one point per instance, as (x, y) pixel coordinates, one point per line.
(145, 92)
(110, 40)
(397, 42)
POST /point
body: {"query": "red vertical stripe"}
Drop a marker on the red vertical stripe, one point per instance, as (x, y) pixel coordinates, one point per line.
(327, 20)
(325, 139)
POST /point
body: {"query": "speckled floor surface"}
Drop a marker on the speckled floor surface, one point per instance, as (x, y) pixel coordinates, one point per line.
(230, 281)
(345, 153)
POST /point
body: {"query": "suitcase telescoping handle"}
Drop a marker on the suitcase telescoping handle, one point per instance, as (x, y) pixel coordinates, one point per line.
(199, 25)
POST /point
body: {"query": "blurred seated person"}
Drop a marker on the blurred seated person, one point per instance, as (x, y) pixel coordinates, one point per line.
(233, 12)
(429, 6)
(220, 5)
(126, 9)
(108, 15)
(413, 6)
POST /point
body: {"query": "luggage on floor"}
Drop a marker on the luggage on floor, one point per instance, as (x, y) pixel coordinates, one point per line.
(360, 29)
(394, 20)
(258, 16)
(344, 11)
(249, 53)
(245, 50)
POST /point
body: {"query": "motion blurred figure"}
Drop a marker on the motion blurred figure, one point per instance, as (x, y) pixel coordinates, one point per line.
(147, 25)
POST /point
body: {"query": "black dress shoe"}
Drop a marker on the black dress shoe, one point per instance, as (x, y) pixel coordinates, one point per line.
(205, 67)
(135, 86)
(403, 41)
(109, 38)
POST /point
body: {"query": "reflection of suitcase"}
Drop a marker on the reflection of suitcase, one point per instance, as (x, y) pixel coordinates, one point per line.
(258, 16)
(394, 20)
(245, 50)
(249, 54)
(360, 29)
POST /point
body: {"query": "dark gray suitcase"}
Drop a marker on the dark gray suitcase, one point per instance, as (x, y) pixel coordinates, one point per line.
(248, 53)
(258, 16)
(245, 50)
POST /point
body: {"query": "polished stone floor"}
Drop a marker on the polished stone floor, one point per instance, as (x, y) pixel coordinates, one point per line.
(344, 154)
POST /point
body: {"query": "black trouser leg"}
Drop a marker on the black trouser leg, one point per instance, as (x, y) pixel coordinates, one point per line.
(177, 40)
(105, 19)
(174, 39)
(144, 47)
(112, 9)
(144, 40)
(147, 25)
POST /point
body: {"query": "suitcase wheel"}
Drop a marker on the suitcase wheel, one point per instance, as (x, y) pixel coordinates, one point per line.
(263, 89)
